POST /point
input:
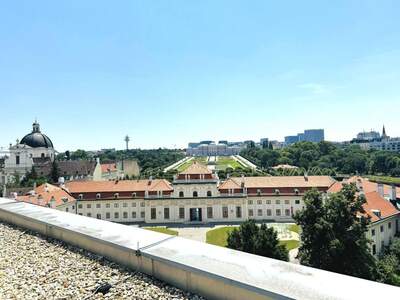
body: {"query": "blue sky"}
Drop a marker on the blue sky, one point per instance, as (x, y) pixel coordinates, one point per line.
(171, 72)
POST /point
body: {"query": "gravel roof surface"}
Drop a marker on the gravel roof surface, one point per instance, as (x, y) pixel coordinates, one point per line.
(36, 267)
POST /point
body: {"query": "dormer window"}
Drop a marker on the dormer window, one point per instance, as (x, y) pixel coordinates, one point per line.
(98, 196)
(133, 195)
(258, 192)
(80, 196)
(277, 192)
(296, 191)
(64, 199)
(116, 196)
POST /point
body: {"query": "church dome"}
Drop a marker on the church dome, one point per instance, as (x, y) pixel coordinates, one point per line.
(36, 139)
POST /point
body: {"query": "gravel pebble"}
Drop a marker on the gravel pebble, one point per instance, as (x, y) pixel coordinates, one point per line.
(36, 267)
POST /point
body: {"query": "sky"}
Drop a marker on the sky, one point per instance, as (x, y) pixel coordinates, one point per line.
(171, 72)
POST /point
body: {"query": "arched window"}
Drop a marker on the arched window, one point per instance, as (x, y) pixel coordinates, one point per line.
(181, 195)
(195, 194)
(42, 155)
(98, 196)
(209, 194)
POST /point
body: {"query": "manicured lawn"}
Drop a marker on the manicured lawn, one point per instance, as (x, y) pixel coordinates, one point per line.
(224, 162)
(219, 236)
(162, 230)
(385, 179)
(295, 228)
(290, 244)
(185, 165)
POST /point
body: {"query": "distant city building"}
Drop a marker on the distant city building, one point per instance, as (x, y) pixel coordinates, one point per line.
(373, 140)
(309, 135)
(212, 149)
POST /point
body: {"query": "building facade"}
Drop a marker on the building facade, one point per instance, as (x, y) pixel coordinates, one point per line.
(195, 196)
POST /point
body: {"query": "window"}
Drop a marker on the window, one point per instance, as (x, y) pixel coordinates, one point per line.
(124, 204)
(372, 232)
(125, 215)
(66, 209)
(142, 214)
(116, 215)
(79, 205)
(225, 212)
(373, 249)
(297, 201)
(287, 201)
(108, 205)
(141, 204)
(88, 205)
(133, 204)
(107, 215)
(238, 212)
(134, 215)
(98, 205)
(181, 195)
(209, 212)
(278, 212)
(390, 225)
(382, 244)
(98, 196)
(116, 195)
(296, 191)
(116, 205)
(268, 201)
(181, 212)
(166, 213)
(258, 192)
(250, 202)
(80, 196)
(153, 213)
(195, 194)
(133, 195)
(73, 207)
(287, 212)
(80, 214)
(98, 216)
(269, 212)
(17, 160)
(382, 229)
(278, 202)
(89, 214)
(250, 212)
(277, 192)
(259, 212)
(259, 202)
(209, 194)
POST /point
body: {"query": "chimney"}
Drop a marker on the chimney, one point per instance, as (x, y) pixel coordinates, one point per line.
(150, 180)
(306, 176)
(52, 202)
(393, 194)
(380, 190)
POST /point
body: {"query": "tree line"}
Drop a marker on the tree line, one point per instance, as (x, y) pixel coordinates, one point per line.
(324, 158)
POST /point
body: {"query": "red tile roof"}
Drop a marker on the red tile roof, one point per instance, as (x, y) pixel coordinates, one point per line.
(105, 168)
(44, 193)
(377, 202)
(118, 186)
(196, 169)
(278, 182)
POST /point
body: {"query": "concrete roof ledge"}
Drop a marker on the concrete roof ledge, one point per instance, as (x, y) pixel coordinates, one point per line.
(211, 271)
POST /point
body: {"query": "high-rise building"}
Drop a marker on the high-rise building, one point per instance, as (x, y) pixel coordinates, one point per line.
(314, 135)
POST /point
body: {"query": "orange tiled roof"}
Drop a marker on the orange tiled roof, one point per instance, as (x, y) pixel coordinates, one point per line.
(105, 168)
(118, 186)
(278, 182)
(196, 169)
(44, 193)
(367, 186)
(377, 202)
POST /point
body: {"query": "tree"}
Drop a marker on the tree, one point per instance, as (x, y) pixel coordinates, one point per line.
(388, 266)
(334, 233)
(55, 172)
(257, 240)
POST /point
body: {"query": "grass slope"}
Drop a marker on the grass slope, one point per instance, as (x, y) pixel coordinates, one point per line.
(162, 230)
